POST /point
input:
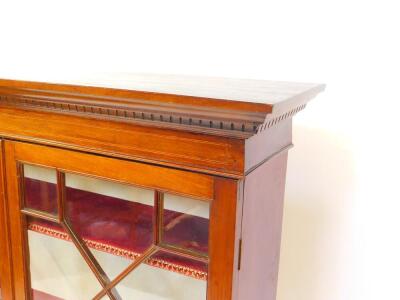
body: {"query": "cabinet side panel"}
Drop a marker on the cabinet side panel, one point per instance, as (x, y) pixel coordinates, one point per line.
(5, 251)
(261, 231)
(267, 143)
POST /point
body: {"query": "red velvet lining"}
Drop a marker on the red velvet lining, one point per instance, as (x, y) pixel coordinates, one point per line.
(38, 295)
(121, 227)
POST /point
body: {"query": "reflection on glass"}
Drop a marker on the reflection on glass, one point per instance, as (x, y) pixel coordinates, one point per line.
(115, 220)
(152, 280)
(116, 223)
(40, 186)
(186, 223)
(58, 271)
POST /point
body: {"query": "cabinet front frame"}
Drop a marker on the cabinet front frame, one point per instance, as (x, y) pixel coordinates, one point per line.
(6, 281)
(220, 192)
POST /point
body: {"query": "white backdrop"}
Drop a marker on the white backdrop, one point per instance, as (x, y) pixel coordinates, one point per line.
(341, 222)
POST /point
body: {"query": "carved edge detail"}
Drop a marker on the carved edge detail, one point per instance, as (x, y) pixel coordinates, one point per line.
(225, 124)
(272, 120)
(150, 116)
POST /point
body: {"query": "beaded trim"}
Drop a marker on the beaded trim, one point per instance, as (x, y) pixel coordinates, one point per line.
(159, 263)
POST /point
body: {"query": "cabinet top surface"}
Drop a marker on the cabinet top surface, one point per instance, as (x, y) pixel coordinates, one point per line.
(264, 94)
(218, 106)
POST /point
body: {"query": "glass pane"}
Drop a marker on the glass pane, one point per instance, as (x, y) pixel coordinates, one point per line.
(58, 271)
(40, 186)
(159, 278)
(186, 223)
(115, 220)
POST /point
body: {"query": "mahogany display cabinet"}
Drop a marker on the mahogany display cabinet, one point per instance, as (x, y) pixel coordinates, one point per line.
(146, 187)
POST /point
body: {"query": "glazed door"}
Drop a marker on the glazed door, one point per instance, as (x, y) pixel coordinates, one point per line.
(92, 227)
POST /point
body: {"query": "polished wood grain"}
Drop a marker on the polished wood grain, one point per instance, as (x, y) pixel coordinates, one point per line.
(219, 140)
(17, 227)
(143, 175)
(162, 179)
(126, 96)
(200, 134)
(225, 107)
(6, 280)
(261, 230)
(222, 239)
(172, 148)
(234, 93)
(267, 143)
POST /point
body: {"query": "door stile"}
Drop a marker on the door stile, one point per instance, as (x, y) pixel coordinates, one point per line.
(6, 276)
(222, 239)
(17, 225)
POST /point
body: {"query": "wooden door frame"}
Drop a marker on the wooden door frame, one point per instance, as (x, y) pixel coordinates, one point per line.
(222, 193)
(6, 280)
(223, 239)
